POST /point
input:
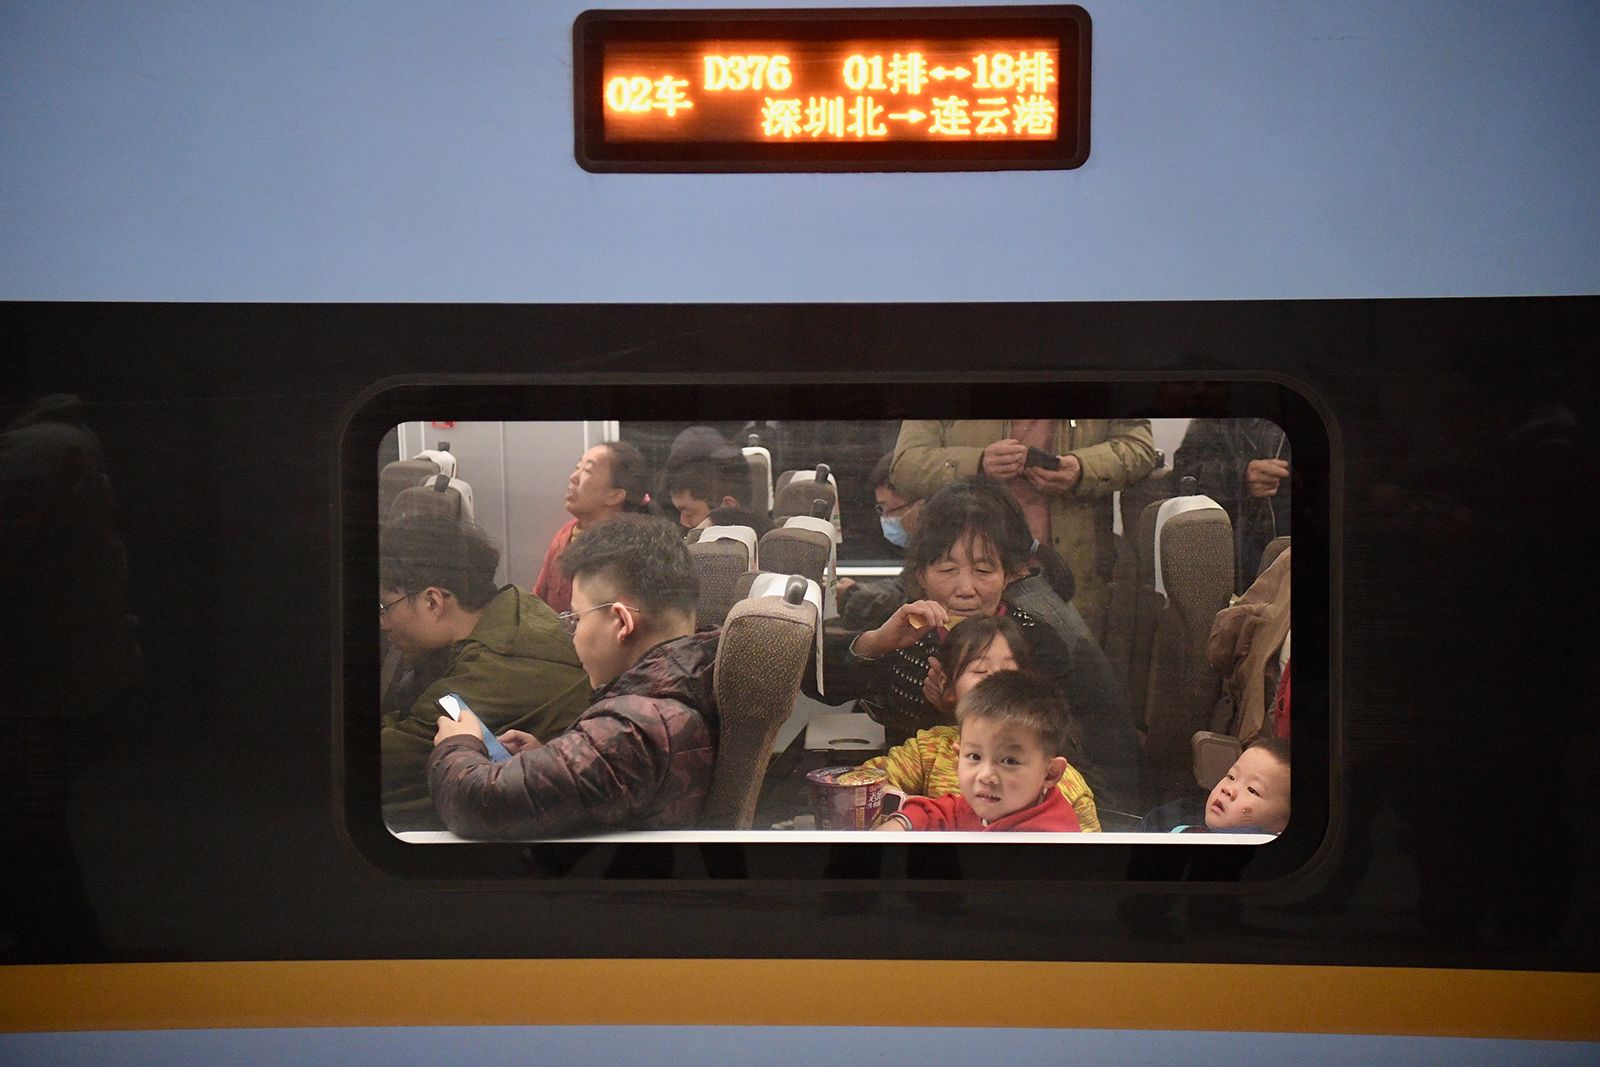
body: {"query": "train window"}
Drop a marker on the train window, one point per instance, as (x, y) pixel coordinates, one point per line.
(553, 561)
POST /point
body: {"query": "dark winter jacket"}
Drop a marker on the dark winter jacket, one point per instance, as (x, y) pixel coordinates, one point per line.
(517, 671)
(640, 758)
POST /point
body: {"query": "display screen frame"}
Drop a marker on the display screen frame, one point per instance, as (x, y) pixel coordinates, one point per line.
(594, 30)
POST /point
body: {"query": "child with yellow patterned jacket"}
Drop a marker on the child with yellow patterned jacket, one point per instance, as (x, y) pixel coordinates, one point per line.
(926, 764)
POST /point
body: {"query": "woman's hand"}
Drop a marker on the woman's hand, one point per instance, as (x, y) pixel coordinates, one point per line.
(518, 741)
(903, 629)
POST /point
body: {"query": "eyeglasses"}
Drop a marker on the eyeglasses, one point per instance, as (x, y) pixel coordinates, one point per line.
(569, 619)
(383, 609)
(889, 513)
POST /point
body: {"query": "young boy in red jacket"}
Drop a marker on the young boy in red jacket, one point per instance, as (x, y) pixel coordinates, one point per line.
(1014, 730)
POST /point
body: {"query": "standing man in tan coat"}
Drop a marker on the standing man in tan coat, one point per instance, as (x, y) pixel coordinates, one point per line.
(1068, 507)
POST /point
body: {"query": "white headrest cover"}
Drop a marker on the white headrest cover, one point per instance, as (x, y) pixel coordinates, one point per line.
(769, 584)
(1176, 506)
(445, 460)
(809, 522)
(743, 534)
(810, 476)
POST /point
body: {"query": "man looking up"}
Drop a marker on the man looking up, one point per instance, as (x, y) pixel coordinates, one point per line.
(608, 480)
(501, 650)
(642, 755)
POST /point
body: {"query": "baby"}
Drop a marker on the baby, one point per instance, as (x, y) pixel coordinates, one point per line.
(926, 764)
(1254, 794)
(1013, 733)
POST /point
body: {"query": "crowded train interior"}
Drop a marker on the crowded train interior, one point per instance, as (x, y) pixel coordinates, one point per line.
(1139, 566)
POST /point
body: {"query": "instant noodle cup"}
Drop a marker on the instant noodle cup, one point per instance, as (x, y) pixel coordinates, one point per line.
(846, 798)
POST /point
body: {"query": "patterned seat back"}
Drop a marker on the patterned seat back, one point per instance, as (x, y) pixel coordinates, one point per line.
(760, 661)
(440, 495)
(799, 491)
(790, 550)
(1127, 576)
(399, 476)
(1197, 572)
(718, 564)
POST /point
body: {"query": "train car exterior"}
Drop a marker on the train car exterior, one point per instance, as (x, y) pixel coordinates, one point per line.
(232, 230)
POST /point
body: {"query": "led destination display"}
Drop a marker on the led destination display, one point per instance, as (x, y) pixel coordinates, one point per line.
(790, 91)
(862, 90)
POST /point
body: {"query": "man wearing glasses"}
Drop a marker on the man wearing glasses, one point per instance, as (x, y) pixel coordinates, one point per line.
(641, 756)
(502, 651)
(867, 606)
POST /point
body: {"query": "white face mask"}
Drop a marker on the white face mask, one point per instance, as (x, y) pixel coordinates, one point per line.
(894, 531)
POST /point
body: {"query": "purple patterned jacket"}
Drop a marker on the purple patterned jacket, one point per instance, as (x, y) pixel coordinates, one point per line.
(639, 758)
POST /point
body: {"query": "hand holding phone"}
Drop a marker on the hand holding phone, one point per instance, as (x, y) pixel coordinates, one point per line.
(1038, 457)
(452, 705)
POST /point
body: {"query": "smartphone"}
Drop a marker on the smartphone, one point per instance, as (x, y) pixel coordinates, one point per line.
(452, 705)
(1038, 457)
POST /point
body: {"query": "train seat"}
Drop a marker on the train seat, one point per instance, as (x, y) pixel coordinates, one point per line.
(439, 495)
(801, 546)
(761, 658)
(1269, 554)
(1194, 578)
(1133, 615)
(799, 493)
(399, 476)
(721, 555)
(1125, 573)
(759, 460)
(1213, 753)
(744, 535)
(442, 456)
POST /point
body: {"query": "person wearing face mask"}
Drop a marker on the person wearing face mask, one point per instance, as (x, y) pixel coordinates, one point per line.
(897, 513)
(866, 605)
(970, 542)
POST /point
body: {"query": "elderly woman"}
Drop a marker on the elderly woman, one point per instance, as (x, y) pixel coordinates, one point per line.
(970, 544)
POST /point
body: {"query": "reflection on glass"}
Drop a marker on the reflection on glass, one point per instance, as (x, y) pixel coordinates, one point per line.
(1006, 641)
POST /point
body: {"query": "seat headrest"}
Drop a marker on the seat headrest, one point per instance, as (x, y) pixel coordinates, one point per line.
(790, 588)
(445, 460)
(815, 525)
(742, 534)
(1170, 508)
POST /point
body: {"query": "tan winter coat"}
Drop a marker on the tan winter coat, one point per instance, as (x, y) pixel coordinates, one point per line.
(1244, 646)
(1114, 454)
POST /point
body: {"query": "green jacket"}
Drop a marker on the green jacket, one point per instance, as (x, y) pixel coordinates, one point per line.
(517, 670)
(1114, 453)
